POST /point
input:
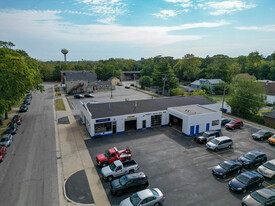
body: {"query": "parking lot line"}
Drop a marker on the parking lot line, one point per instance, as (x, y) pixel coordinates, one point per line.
(213, 153)
(209, 168)
(229, 179)
(271, 186)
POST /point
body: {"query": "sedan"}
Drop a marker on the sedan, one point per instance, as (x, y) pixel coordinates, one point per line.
(127, 87)
(267, 169)
(262, 134)
(227, 168)
(17, 119)
(147, 197)
(224, 121)
(6, 140)
(12, 128)
(3, 151)
(23, 108)
(89, 95)
(260, 197)
(78, 96)
(252, 158)
(245, 181)
(271, 140)
(27, 101)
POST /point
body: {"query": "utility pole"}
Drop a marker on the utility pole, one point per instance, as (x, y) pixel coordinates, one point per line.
(164, 79)
(112, 86)
(224, 89)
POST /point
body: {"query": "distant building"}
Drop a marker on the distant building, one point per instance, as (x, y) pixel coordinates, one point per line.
(269, 87)
(114, 80)
(269, 117)
(207, 82)
(129, 75)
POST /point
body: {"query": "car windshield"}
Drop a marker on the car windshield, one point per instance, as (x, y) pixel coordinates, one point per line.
(260, 132)
(204, 135)
(225, 165)
(4, 139)
(123, 180)
(135, 199)
(232, 122)
(107, 153)
(154, 192)
(214, 141)
(112, 166)
(269, 165)
(258, 197)
(249, 156)
(243, 179)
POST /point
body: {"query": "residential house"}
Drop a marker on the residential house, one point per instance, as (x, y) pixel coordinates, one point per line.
(208, 82)
(114, 80)
(269, 117)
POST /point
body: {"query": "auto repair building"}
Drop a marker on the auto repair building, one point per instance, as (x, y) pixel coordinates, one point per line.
(190, 114)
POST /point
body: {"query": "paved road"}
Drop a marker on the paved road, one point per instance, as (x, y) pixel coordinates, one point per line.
(28, 174)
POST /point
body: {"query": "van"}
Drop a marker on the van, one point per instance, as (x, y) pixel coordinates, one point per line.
(207, 136)
(220, 143)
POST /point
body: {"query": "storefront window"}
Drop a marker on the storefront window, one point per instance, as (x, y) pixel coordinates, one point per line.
(103, 127)
(215, 122)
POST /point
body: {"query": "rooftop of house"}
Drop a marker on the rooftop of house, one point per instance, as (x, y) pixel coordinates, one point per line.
(212, 81)
(192, 110)
(80, 75)
(269, 114)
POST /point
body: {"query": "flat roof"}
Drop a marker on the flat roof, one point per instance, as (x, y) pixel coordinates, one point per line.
(192, 110)
(102, 110)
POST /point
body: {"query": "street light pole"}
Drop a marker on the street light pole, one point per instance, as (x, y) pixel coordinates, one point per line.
(224, 89)
(164, 80)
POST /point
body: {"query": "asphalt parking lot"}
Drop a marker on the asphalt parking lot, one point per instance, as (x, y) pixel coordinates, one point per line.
(181, 168)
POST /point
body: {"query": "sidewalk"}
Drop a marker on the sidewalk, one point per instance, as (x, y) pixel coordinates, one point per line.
(75, 157)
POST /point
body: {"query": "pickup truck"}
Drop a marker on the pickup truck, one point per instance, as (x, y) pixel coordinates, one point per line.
(118, 168)
(112, 155)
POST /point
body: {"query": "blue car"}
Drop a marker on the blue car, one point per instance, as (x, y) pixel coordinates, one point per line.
(227, 168)
(245, 181)
(252, 159)
(6, 140)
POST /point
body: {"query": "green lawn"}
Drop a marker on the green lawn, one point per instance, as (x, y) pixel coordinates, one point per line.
(59, 105)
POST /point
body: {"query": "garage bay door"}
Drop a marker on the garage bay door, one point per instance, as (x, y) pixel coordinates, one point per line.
(156, 120)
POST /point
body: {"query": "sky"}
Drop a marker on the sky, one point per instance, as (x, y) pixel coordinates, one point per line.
(134, 29)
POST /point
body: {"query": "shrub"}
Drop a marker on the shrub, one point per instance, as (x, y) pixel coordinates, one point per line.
(177, 92)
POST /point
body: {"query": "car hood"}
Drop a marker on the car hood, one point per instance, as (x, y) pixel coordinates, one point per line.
(106, 171)
(219, 169)
(230, 125)
(126, 202)
(248, 200)
(265, 170)
(242, 159)
(236, 183)
(256, 135)
(116, 184)
(101, 157)
(210, 144)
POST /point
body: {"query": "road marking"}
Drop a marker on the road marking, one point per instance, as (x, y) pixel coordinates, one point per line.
(270, 186)
(213, 153)
(210, 167)
(229, 179)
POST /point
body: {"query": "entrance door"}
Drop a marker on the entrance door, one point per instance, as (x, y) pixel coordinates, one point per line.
(192, 130)
(143, 123)
(155, 120)
(207, 127)
(130, 125)
(114, 128)
(197, 129)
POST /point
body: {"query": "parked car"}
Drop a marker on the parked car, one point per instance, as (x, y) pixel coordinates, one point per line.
(127, 87)
(17, 119)
(119, 84)
(27, 101)
(147, 197)
(23, 108)
(207, 136)
(28, 96)
(224, 121)
(112, 155)
(89, 95)
(12, 128)
(267, 169)
(3, 151)
(78, 96)
(219, 143)
(262, 134)
(234, 124)
(260, 197)
(245, 181)
(271, 140)
(132, 85)
(6, 140)
(227, 168)
(118, 168)
(129, 183)
(252, 158)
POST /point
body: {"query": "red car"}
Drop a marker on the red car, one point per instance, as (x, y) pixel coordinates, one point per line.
(112, 155)
(3, 151)
(234, 124)
(17, 119)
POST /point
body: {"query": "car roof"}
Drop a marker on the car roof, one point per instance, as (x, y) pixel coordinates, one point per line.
(272, 161)
(211, 131)
(230, 162)
(144, 193)
(251, 174)
(255, 152)
(263, 130)
(267, 193)
(5, 136)
(222, 138)
(136, 175)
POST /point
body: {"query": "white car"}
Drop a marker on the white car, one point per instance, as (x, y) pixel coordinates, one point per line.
(267, 169)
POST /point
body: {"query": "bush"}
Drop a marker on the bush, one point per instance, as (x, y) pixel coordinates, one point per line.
(177, 92)
(207, 89)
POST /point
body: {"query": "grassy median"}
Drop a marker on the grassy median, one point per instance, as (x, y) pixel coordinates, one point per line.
(59, 105)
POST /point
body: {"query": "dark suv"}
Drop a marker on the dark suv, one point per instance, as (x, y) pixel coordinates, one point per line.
(207, 136)
(234, 124)
(253, 158)
(12, 128)
(129, 183)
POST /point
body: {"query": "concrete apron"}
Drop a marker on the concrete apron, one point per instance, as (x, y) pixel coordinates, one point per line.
(75, 156)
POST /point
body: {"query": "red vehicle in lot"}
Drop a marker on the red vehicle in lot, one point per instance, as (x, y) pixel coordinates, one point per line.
(112, 155)
(3, 151)
(17, 119)
(234, 124)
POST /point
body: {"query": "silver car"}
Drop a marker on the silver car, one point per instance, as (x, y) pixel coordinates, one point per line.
(220, 143)
(147, 197)
(6, 140)
(260, 197)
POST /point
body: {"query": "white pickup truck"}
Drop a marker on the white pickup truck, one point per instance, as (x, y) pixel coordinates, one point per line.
(118, 168)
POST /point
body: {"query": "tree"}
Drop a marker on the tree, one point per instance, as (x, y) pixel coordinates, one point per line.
(105, 72)
(145, 81)
(246, 96)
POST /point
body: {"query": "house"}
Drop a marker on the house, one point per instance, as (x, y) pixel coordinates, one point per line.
(269, 87)
(269, 117)
(114, 80)
(207, 82)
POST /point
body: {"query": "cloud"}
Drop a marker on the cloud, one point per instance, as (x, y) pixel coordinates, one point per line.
(225, 7)
(49, 25)
(164, 14)
(257, 28)
(106, 10)
(181, 3)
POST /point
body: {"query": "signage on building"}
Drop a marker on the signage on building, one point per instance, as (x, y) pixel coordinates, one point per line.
(131, 116)
(103, 120)
(114, 122)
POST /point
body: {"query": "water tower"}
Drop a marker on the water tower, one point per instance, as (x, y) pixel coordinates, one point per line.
(64, 51)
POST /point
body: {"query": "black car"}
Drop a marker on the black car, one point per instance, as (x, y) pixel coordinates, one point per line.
(245, 181)
(23, 108)
(252, 158)
(224, 121)
(89, 95)
(207, 136)
(227, 168)
(129, 183)
(28, 96)
(262, 134)
(27, 101)
(12, 128)
(78, 96)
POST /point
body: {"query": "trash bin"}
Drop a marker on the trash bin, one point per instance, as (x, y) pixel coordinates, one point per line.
(224, 110)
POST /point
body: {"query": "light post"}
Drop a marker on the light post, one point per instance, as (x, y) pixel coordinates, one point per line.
(164, 79)
(224, 89)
